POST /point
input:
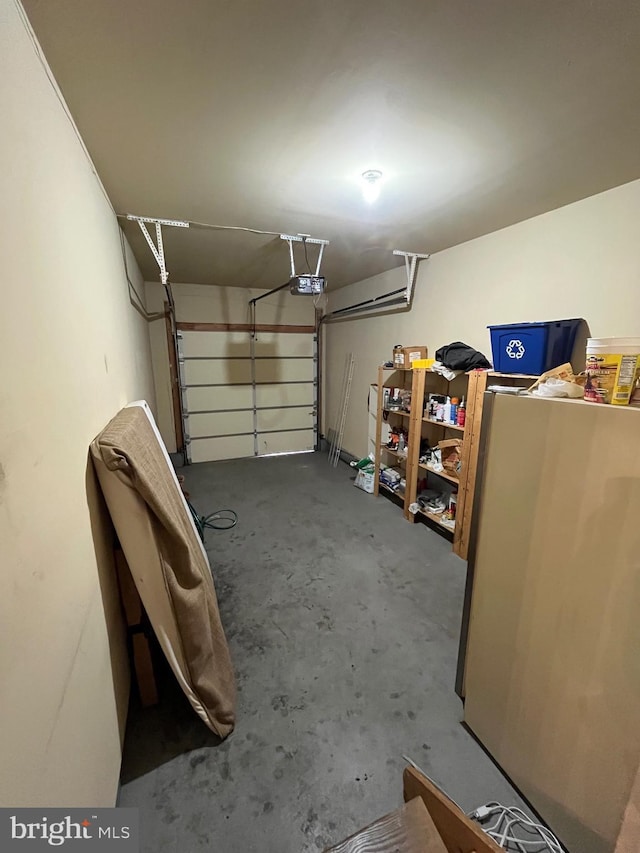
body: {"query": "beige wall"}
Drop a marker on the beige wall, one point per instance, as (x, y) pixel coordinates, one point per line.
(582, 260)
(196, 303)
(74, 352)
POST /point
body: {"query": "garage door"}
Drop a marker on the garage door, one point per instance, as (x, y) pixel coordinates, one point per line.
(247, 397)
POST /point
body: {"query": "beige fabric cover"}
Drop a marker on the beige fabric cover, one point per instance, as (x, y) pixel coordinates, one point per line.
(167, 561)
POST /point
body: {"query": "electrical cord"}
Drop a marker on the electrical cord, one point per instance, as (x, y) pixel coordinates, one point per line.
(210, 227)
(222, 519)
(226, 518)
(512, 817)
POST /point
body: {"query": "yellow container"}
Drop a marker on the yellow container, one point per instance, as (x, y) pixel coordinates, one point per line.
(613, 365)
(423, 362)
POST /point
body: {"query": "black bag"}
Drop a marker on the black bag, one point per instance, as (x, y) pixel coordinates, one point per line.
(459, 356)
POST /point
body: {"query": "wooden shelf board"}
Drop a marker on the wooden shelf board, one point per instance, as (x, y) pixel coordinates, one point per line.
(391, 491)
(514, 375)
(437, 517)
(439, 473)
(397, 412)
(443, 424)
(394, 453)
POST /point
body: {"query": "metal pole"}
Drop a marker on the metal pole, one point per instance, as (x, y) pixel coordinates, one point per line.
(268, 293)
(350, 312)
(345, 407)
(293, 266)
(372, 301)
(334, 437)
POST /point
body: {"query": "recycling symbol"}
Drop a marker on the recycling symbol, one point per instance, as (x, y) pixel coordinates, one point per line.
(515, 348)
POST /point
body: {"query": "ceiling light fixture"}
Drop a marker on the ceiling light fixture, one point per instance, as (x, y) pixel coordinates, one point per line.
(371, 180)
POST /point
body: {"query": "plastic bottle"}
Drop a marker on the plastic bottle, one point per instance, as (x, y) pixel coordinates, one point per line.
(461, 414)
(446, 414)
(454, 410)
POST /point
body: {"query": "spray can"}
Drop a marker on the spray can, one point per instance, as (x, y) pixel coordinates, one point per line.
(461, 414)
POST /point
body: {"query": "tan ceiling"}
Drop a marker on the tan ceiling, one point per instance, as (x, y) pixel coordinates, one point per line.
(239, 112)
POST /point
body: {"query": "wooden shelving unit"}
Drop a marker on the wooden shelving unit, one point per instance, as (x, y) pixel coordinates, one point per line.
(434, 516)
(442, 474)
(443, 424)
(421, 382)
(390, 377)
(418, 426)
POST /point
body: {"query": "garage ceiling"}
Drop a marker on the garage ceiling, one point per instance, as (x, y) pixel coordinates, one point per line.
(480, 113)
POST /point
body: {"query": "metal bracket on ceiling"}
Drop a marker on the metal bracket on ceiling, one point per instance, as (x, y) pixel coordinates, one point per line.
(157, 250)
(303, 238)
(411, 263)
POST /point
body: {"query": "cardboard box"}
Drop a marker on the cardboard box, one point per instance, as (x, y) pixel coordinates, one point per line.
(413, 354)
(404, 356)
(398, 357)
(450, 452)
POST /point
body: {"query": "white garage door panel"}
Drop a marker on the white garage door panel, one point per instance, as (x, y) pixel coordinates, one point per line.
(285, 442)
(220, 423)
(216, 372)
(274, 419)
(223, 344)
(211, 399)
(284, 395)
(283, 369)
(212, 449)
(283, 344)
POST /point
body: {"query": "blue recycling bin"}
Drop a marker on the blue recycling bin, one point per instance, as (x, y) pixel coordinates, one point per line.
(532, 347)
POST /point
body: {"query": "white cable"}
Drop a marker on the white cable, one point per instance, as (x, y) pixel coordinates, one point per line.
(529, 825)
(515, 817)
(219, 227)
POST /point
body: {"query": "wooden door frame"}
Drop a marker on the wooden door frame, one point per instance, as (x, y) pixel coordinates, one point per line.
(174, 378)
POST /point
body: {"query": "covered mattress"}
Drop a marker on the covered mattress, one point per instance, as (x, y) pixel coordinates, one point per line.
(167, 560)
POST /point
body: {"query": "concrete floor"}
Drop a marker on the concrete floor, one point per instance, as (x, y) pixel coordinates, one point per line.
(343, 622)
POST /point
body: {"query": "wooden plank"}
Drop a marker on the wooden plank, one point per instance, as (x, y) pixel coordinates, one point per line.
(443, 424)
(409, 829)
(128, 593)
(442, 474)
(415, 435)
(458, 832)
(136, 617)
(175, 382)
(143, 664)
(244, 327)
(469, 461)
(552, 679)
(478, 381)
(376, 476)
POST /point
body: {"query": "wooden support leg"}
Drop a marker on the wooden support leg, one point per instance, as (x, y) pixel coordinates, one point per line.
(138, 628)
